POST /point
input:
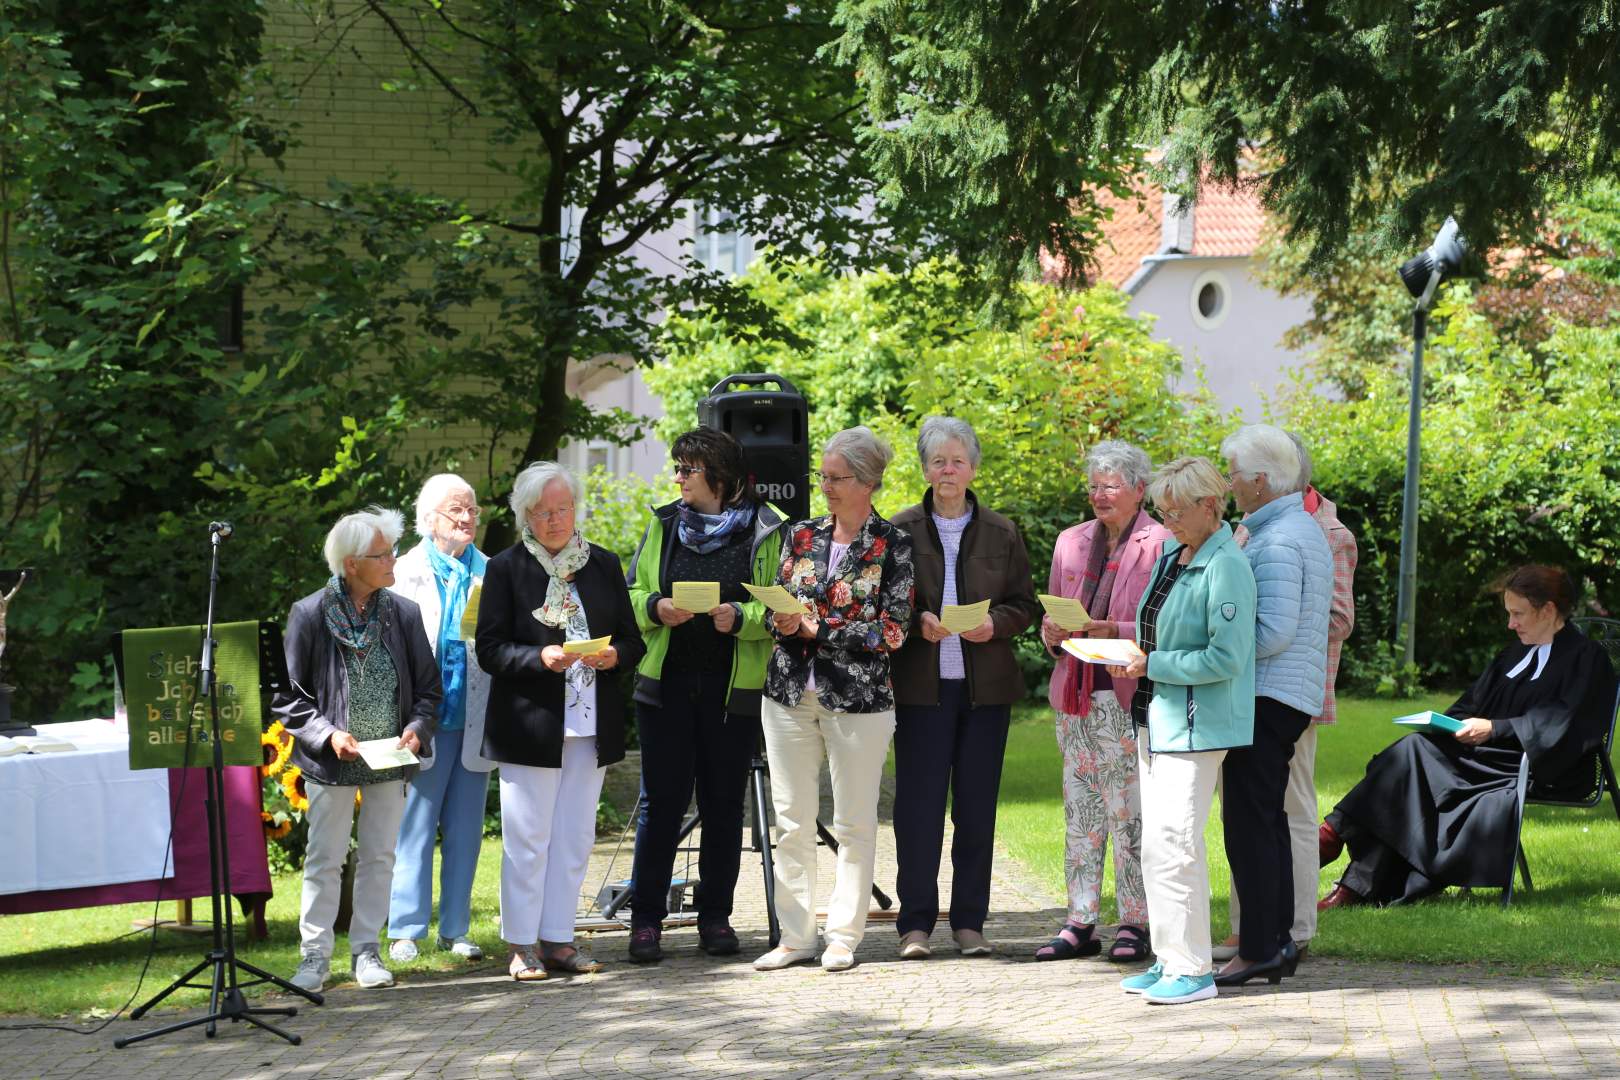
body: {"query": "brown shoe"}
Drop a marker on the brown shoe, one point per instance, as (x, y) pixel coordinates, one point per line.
(1338, 897)
(1329, 844)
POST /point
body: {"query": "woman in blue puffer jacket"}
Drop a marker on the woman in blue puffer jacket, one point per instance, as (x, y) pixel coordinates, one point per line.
(1293, 573)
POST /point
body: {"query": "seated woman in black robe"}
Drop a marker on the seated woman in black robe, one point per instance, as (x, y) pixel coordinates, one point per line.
(1436, 810)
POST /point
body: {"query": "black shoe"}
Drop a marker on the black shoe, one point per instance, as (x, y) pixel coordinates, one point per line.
(1291, 955)
(644, 947)
(1270, 970)
(718, 939)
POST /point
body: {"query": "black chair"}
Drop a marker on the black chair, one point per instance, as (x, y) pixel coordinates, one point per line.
(1575, 788)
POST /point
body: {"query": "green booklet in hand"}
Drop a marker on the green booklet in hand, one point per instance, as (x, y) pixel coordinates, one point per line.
(1430, 721)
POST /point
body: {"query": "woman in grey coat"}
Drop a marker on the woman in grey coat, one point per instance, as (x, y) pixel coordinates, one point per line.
(1293, 573)
(360, 670)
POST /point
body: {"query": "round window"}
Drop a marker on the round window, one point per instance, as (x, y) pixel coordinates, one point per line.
(1209, 299)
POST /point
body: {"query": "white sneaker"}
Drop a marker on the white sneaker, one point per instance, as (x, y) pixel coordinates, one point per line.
(781, 957)
(369, 971)
(837, 957)
(402, 951)
(463, 947)
(313, 968)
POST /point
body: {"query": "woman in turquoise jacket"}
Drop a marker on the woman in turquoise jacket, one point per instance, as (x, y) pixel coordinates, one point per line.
(1195, 626)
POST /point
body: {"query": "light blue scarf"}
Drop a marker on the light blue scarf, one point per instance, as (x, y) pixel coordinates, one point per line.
(454, 579)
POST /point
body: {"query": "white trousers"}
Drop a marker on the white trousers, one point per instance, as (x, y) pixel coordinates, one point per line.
(331, 817)
(1177, 792)
(854, 746)
(548, 824)
(1300, 802)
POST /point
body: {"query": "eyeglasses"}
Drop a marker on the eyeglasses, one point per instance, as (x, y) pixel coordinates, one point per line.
(390, 554)
(683, 471)
(1170, 515)
(552, 515)
(1104, 489)
(828, 479)
(456, 513)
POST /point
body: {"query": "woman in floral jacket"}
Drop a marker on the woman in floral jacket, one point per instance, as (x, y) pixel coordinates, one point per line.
(828, 694)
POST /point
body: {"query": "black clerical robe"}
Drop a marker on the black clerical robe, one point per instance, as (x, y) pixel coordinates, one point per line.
(1432, 812)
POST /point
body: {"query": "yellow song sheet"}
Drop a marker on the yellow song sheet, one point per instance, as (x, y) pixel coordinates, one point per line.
(1066, 611)
(469, 617)
(1102, 650)
(958, 618)
(700, 597)
(777, 599)
(587, 648)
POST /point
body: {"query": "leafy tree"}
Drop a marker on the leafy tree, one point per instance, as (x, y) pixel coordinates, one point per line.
(1388, 114)
(614, 118)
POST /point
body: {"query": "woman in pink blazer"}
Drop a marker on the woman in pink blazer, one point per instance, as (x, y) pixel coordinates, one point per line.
(1105, 563)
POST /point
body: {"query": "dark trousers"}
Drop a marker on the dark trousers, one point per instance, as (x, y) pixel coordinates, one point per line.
(685, 742)
(955, 748)
(1254, 781)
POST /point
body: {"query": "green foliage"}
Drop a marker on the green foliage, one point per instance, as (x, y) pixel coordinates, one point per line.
(617, 509)
(889, 350)
(1519, 465)
(1381, 115)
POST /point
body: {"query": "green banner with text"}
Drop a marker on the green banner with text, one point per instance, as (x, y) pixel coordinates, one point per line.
(166, 713)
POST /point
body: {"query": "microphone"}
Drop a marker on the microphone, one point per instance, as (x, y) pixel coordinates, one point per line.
(222, 529)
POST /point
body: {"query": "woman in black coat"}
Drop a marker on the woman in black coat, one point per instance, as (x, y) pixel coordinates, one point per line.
(554, 723)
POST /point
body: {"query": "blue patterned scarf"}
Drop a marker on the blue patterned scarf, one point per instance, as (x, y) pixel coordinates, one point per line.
(704, 533)
(347, 625)
(454, 577)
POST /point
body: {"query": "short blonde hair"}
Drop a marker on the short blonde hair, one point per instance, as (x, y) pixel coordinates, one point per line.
(1186, 480)
(353, 533)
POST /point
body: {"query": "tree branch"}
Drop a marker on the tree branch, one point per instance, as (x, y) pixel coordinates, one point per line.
(417, 57)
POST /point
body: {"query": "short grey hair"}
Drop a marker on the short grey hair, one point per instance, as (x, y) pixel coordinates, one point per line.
(936, 431)
(1131, 463)
(866, 454)
(355, 532)
(1262, 448)
(1305, 466)
(531, 485)
(1186, 480)
(437, 489)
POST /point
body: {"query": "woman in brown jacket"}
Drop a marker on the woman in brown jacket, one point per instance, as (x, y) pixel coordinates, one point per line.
(954, 692)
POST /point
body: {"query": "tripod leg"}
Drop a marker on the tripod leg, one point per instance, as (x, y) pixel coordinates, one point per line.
(168, 1030)
(277, 981)
(142, 1009)
(878, 894)
(762, 844)
(613, 906)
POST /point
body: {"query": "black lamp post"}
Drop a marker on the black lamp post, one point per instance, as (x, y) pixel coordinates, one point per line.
(1421, 274)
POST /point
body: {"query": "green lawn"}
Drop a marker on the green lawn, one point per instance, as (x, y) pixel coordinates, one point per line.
(1567, 923)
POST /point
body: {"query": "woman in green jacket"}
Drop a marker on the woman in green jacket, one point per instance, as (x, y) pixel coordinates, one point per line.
(1195, 625)
(699, 686)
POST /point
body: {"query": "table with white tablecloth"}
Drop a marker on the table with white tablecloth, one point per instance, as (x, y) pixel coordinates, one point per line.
(81, 828)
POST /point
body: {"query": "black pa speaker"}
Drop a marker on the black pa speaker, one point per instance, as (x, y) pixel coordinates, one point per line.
(773, 427)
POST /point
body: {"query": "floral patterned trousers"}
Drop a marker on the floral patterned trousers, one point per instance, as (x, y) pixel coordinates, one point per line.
(1101, 799)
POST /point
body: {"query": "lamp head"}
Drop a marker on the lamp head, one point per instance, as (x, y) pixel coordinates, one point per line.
(1422, 273)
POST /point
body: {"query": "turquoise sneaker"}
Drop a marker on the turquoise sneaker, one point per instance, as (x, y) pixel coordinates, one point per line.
(1141, 984)
(1180, 989)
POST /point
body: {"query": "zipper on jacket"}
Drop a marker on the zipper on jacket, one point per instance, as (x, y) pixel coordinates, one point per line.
(973, 519)
(1192, 712)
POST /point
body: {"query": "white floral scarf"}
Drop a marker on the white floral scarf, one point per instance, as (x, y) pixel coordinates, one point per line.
(560, 604)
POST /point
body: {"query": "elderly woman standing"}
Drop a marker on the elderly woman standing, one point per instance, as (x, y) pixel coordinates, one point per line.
(699, 686)
(954, 693)
(1195, 626)
(553, 724)
(359, 669)
(439, 575)
(1293, 572)
(1104, 563)
(828, 695)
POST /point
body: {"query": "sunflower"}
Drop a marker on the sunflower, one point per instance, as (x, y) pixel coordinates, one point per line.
(357, 798)
(292, 785)
(277, 747)
(275, 830)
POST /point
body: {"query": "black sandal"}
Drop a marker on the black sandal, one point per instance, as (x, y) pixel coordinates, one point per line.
(1129, 950)
(1069, 945)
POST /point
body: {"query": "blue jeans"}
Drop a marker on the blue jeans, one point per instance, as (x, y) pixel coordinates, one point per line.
(450, 798)
(952, 747)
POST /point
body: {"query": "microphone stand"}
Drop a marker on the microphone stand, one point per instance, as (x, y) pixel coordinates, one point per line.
(225, 999)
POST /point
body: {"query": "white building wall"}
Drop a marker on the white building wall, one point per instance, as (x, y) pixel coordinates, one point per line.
(1241, 347)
